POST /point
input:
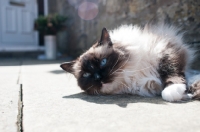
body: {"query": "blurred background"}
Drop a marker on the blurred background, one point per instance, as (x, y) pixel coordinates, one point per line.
(85, 19)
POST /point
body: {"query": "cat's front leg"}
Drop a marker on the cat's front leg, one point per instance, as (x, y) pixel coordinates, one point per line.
(175, 90)
(172, 68)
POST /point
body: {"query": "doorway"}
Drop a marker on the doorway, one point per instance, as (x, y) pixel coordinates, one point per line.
(41, 13)
(16, 25)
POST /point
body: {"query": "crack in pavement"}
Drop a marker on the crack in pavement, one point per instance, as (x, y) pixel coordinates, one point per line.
(20, 102)
(20, 110)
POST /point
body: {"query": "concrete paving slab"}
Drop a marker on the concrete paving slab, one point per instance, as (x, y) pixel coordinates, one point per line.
(9, 95)
(54, 103)
(9, 71)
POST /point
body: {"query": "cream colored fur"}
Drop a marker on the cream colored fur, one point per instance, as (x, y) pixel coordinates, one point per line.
(139, 74)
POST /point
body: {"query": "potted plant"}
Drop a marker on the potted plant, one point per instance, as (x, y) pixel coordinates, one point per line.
(49, 26)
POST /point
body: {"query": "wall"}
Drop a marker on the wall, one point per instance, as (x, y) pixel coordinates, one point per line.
(81, 33)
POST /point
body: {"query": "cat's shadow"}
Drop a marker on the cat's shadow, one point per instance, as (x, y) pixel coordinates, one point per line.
(120, 100)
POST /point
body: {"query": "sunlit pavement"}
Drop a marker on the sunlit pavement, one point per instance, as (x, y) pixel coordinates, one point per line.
(52, 102)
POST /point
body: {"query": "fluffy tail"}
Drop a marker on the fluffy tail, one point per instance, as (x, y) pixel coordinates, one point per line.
(195, 90)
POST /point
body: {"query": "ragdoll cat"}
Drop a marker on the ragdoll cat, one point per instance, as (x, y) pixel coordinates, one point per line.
(145, 61)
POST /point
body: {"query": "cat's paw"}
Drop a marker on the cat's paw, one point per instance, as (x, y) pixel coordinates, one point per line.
(175, 92)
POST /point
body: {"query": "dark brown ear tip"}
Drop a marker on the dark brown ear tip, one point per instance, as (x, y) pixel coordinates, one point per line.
(61, 65)
(67, 66)
(104, 29)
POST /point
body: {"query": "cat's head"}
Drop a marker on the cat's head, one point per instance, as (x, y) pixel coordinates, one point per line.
(98, 68)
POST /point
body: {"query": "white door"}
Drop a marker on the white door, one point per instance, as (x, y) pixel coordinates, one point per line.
(17, 22)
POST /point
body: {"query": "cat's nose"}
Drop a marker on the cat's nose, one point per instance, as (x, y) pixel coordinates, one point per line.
(97, 76)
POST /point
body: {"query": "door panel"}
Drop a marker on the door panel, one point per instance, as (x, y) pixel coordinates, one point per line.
(17, 22)
(26, 24)
(10, 20)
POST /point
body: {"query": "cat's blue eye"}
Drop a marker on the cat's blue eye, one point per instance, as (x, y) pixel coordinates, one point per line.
(103, 62)
(86, 74)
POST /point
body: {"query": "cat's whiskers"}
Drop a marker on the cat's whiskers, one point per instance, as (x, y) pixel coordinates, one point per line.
(89, 88)
(96, 92)
(69, 77)
(124, 84)
(122, 65)
(133, 71)
(115, 64)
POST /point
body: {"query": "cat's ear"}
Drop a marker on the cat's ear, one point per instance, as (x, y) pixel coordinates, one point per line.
(68, 66)
(105, 38)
